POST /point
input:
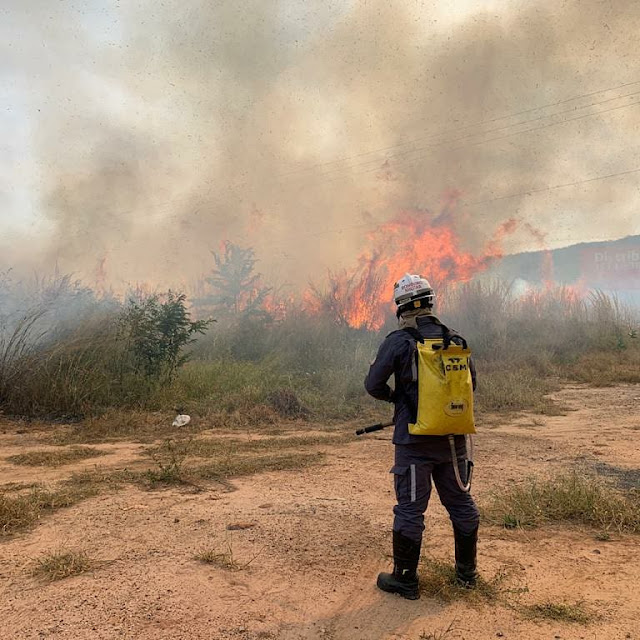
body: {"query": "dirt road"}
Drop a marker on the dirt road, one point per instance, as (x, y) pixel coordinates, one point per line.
(314, 540)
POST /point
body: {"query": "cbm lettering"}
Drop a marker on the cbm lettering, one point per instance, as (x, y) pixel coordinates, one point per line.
(456, 367)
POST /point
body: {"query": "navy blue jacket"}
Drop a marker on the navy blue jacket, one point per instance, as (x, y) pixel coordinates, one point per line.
(396, 357)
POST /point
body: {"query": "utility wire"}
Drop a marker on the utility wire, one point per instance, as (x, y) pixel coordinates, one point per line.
(494, 130)
(458, 129)
(553, 188)
(347, 173)
(410, 161)
(496, 199)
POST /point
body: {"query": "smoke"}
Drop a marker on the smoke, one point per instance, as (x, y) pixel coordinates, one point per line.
(158, 130)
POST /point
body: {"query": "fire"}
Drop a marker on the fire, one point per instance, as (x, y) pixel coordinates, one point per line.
(413, 241)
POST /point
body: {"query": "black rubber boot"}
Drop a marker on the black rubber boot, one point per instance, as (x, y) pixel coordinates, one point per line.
(466, 550)
(404, 579)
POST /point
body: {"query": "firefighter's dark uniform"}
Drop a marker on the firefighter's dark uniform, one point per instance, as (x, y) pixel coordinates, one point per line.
(419, 459)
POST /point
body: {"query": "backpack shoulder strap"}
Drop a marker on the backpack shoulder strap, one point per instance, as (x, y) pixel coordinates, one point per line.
(414, 333)
(448, 335)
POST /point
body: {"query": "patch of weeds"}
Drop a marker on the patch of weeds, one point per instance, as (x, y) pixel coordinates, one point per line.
(218, 558)
(62, 564)
(438, 580)
(565, 498)
(55, 457)
(19, 511)
(560, 612)
(439, 634)
(602, 536)
(223, 557)
(220, 447)
(169, 458)
(243, 466)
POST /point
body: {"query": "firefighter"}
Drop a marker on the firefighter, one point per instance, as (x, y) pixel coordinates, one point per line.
(419, 459)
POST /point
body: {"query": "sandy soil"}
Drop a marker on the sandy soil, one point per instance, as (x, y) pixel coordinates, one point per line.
(319, 538)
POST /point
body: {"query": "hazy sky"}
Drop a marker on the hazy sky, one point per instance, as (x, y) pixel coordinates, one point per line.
(140, 135)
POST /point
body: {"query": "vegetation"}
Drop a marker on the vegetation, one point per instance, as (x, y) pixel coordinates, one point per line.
(21, 510)
(233, 287)
(255, 367)
(62, 564)
(223, 557)
(566, 498)
(560, 612)
(175, 462)
(438, 580)
(55, 457)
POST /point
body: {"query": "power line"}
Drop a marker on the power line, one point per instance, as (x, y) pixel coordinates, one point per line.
(489, 200)
(482, 133)
(554, 187)
(348, 173)
(411, 161)
(467, 126)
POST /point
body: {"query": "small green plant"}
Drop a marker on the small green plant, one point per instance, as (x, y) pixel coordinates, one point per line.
(221, 558)
(561, 612)
(62, 564)
(169, 458)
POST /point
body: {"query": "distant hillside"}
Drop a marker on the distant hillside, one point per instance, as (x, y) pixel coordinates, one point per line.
(610, 265)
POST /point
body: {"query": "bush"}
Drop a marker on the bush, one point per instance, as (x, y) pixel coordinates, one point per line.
(156, 330)
(109, 360)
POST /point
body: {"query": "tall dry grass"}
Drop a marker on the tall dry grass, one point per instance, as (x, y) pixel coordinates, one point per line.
(522, 345)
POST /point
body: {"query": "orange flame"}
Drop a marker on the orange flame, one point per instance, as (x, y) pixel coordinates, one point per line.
(413, 242)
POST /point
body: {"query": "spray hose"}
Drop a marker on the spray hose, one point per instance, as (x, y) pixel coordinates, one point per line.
(468, 443)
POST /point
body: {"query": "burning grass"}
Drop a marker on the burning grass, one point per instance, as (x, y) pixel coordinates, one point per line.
(251, 371)
(570, 497)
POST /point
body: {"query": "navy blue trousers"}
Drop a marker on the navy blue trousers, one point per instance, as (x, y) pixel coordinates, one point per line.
(415, 467)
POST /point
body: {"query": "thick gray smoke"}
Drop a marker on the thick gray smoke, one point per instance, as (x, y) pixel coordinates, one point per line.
(158, 130)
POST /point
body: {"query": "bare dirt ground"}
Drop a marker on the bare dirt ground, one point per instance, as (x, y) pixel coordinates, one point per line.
(318, 538)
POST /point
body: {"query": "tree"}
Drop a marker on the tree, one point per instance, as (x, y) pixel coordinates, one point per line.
(157, 329)
(236, 288)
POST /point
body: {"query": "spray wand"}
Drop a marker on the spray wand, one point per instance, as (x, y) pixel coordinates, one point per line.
(374, 427)
(464, 486)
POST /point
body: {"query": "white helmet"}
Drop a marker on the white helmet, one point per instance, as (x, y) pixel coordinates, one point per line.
(412, 292)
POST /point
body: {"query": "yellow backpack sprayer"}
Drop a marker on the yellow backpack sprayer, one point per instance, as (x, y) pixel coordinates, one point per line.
(442, 371)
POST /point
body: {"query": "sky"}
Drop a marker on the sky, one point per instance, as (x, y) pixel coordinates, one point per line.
(138, 136)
